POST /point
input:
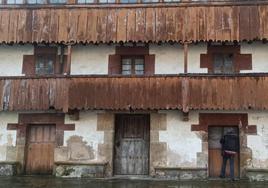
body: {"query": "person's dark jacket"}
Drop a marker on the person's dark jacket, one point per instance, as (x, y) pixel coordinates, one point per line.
(230, 142)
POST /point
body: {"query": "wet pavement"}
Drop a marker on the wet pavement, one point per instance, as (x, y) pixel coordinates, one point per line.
(51, 182)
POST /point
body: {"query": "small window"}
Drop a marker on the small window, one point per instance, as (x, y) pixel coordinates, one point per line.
(44, 64)
(128, 1)
(132, 65)
(14, 1)
(45, 60)
(57, 1)
(85, 1)
(223, 63)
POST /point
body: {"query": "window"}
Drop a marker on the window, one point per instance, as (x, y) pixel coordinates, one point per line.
(132, 65)
(44, 61)
(44, 64)
(128, 1)
(223, 63)
(131, 61)
(225, 59)
(46, 1)
(14, 1)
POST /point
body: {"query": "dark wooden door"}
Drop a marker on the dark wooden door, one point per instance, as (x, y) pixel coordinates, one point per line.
(131, 145)
(40, 149)
(214, 152)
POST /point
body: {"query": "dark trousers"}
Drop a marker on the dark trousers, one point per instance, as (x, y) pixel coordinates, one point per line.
(224, 162)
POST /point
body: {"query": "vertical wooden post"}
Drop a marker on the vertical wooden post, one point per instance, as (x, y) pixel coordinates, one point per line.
(69, 57)
(185, 47)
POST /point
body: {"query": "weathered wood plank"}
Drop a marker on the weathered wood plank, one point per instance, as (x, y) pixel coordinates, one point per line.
(193, 23)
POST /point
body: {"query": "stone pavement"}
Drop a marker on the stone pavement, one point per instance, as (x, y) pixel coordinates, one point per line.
(52, 182)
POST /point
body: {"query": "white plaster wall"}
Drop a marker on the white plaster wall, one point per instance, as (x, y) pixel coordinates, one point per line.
(183, 144)
(194, 58)
(91, 59)
(86, 127)
(259, 53)
(168, 58)
(259, 143)
(11, 59)
(7, 137)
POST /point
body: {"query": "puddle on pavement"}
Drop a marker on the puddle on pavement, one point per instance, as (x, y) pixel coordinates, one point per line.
(51, 182)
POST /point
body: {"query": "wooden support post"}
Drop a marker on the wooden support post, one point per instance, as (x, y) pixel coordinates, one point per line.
(185, 95)
(185, 46)
(69, 57)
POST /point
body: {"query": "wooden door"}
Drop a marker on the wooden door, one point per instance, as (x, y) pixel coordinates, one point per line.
(214, 152)
(40, 149)
(131, 145)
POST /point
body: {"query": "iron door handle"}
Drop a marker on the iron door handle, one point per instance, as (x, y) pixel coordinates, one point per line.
(117, 144)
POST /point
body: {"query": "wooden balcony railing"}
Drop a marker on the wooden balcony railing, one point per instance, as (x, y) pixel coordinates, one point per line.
(164, 22)
(182, 92)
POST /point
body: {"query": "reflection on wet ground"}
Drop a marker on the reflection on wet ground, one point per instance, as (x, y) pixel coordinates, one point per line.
(51, 182)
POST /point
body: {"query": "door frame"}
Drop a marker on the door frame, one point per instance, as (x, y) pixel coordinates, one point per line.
(26, 119)
(27, 143)
(228, 119)
(239, 153)
(149, 141)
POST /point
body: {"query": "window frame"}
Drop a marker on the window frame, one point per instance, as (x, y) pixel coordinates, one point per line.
(223, 69)
(133, 58)
(240, 61)
(50, 53)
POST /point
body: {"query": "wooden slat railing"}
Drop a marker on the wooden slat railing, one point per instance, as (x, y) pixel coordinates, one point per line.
(182, 92)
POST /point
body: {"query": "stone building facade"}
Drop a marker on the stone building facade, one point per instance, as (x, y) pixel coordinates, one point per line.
(61, 113)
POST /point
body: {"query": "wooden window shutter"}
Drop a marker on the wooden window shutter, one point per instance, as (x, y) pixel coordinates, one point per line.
(61, 68)
(28, 66)
(64, 66)
(243, 62)
(149, 65)
(114, 65)
(206, 61)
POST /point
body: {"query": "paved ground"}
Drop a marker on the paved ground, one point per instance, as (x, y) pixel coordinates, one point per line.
(51, 182)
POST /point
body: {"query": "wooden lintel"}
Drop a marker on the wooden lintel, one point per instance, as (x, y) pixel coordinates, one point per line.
(74, 114)
(185, 116)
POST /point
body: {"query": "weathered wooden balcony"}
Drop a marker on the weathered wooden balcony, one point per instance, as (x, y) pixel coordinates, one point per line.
(182, 92)
(163, 22)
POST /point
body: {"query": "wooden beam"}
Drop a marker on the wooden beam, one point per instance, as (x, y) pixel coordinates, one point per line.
(69, 57)
(185, 47)
(185, 95)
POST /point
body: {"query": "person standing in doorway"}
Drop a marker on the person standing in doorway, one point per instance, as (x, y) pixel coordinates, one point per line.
(230, 147)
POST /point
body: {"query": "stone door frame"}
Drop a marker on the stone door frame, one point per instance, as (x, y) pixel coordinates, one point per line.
(207, 120)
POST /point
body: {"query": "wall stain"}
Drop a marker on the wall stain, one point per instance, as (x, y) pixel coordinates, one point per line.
(79, 150)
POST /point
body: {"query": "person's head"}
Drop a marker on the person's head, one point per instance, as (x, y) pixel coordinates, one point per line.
(231, 131)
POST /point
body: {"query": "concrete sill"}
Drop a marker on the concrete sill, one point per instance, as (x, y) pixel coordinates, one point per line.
(9, 162)
(180, 168)
(257, 170)
(80, 163)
